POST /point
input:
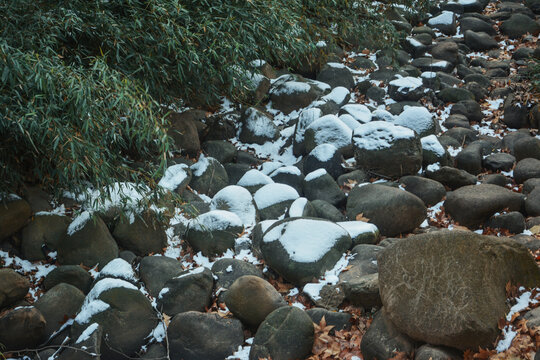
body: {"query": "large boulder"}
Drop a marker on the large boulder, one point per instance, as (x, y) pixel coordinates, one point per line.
(448, 287)
(526, 169)
(189, 291)
(208, 176)
(336, 74)
(273, 200)
(124, 313)
(292, 95)
(195, 336)
(155, 271)
(251, 299)
(176, 178)
(237, 200)
(14, 213)
(394, 211)
(88, 242)
(328, 129)
(257, 127)
(518, 25)
(377, 144)
(14, 287)
(319, 185)
(143, 235)
(285, 247)
(428, 190)
(287, 333)
(22, 328)
(417, 118)
(44, 229)
(472, 205)
(214, 232)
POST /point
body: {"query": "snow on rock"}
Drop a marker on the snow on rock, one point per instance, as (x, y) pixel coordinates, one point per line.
(215, 220)
(407, 82)
(331, 277)
(323, 152)
(268, 167)
(272, 194)
(174, 176)
(306, 240)
(291, 169)
(292, 87)
(359, 112)
(349, 121)
(201, 165)
(338, 95)
(417, 118)
(315, 174)
(296, 209)
(383, 115)
(238, 200)
(254, 177)
(378, 135)
(355, 228)
(306, 117)
(329, 129)
(259, 124)
(85, 335)
(79, 222)
(431, 143)
(445, 18)
(121, 194)
(118, 268)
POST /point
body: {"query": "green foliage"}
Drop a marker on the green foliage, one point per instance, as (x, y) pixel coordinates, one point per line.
(81, 80)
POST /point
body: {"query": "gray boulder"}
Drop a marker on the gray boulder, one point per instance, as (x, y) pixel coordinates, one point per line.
(336, 74)
(526, 169)
(44, 229)
(273, 200)
(319, 185)
(144, 235)
(257, 127)
(14, 213)
(394, 211)
(518, 25)
(428, 190)
(22, 328)
(14, 287)
(480, 41)
(415, 279)
(155, 271)
(69, 274)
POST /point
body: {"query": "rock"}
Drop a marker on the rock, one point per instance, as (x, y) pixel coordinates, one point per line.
(457, 121)
(451, 177)
(328, 129)
(512, 221)
(363, 291)
(324, 156)
(188, 334)
(528, 147)
(404, 88)
(462, 136)
(257, 127)
(383, 341)
(446, 50)
(526, 169)
(453, 95)
(472, 205)
(292, 95)
(88, 242)
(226, 271)
(425, 64)
(480, 79)
(515, 113)
(155, 271)
(359, 112)
(429, 191)
(235, 172)
(495, 179)
(394, 211)
(251, 299)
(124, 313)
(377, 143)
(43, 230)
(307, 116)
(336, 74)
(417, 118)
(237, 200)
(532, 203)
(330, 103)
(289, 175)
(470, 158)
(183, 130)
(415, 280)
(429, 352)
(22, 328)
(433, 151)
(354, 177)
(87, 346)
(476, 25)
(273, 200)
(302, 207)
(14, 213)
(480, 41)
(214, 232)
(209, 176)
(325, 210)
(469, 108)
(319, 185)
(189, 291)
(530, 185)
(518, 25)
(69, 274)
(339, 320)
(446, 22)
(253, 180)
(58, 304)
(221, 150)
(176, 178)
(274, 340)
(285, 242)
(144, 235)
(499, 162)
(14, 287)
(361, 232)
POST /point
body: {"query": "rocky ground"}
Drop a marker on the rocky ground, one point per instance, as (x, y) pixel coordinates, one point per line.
(377, 211)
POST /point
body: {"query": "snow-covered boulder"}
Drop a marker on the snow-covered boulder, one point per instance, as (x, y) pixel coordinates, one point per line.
(292, 95)
(273, 200)
(176, 178)
(305, 119)
(417, 118)
(257, 127)
(253, 180)
(328, 129)
(387, 149)
(209, 176)
(325, 156)
(361, 232)
(301, 249)
(238, 200)
(406, 88)
(359, 112)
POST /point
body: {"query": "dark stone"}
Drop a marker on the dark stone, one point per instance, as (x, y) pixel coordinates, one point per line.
(526, 169)
(325, 210)
(69, 274)
(452, 177)
(155, 271)
(339, 320)
(221, 150)
(14, 287)
(429, 191)
(319, 185)
(14, 213)
(22, 328)
(335, 74)
(527, 147)
(143, 236)
(499, 162)
(513, 221)
(480, 41)
(469, 108)
(532, 203)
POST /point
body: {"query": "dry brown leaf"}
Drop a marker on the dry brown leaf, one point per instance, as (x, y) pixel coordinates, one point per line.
(360, 217)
